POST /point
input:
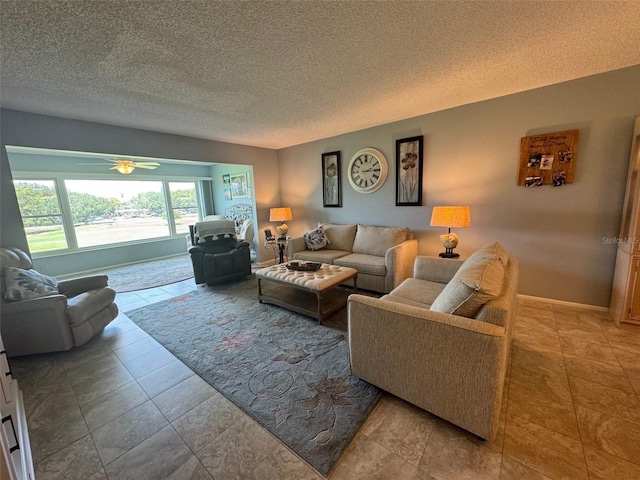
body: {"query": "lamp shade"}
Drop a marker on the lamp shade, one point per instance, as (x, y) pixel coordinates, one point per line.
(281, 214)
(449, 216)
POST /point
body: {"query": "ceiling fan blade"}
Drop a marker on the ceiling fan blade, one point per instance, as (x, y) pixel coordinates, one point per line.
(149, 164)
(148, 167)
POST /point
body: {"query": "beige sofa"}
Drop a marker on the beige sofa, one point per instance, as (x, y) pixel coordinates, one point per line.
(450, 364)
(383, 256)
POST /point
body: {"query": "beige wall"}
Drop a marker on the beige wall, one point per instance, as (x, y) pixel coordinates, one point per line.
(471, 157)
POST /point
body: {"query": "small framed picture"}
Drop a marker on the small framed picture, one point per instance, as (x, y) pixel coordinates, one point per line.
(331, 184)
(227, 194)
(239, 185)
(226, 179)
(409, 164)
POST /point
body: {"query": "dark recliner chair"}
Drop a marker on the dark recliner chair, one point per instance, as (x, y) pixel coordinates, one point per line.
(216, 255)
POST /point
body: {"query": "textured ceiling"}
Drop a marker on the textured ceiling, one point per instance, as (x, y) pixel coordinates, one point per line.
(277, 73)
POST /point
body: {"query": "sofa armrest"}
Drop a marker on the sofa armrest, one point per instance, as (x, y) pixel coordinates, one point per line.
(36, 326)
(398, 261)
(41, 304)
(435, 269)
(453, 367)
(75, 286)
(294, 245)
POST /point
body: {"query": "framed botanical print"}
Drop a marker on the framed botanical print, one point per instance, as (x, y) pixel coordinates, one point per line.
(409, 164)
(331, 183)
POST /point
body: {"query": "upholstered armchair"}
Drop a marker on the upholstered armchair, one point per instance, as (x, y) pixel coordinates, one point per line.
(216, 255)
(40, 314)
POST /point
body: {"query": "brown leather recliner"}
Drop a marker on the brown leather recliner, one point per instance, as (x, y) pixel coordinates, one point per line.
(55, 322)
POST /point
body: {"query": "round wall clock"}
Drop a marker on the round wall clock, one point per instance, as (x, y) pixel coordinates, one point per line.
(367, 170)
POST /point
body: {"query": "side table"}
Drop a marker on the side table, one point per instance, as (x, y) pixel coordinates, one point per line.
(279, 247)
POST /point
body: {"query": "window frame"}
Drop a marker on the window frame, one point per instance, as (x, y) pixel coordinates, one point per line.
(67, 216)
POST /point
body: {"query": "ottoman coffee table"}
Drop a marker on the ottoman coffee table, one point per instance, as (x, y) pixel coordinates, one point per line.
(311, 293)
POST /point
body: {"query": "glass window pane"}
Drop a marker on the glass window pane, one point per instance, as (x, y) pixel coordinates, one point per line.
(41, 215)
(115, 211)
(184, 204)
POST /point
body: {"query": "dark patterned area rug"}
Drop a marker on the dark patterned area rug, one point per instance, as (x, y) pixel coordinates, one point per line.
(282, 368)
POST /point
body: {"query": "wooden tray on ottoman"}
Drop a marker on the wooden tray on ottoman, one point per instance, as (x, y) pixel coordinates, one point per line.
(310, 293)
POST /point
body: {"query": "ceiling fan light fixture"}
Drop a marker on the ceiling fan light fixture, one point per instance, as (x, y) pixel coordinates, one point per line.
(125, 168)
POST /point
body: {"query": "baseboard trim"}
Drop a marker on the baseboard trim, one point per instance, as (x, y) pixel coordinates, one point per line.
(564, 303)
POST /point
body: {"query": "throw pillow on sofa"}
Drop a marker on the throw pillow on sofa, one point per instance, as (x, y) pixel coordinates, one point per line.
(478, 280)
(316, 239)
(27, 284)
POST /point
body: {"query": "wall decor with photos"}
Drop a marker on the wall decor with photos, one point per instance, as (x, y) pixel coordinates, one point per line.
(331, 183)
(239, 185)
(548, 159)
(409, 165)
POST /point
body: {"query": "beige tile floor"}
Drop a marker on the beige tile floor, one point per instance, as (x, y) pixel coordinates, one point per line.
(123, 407)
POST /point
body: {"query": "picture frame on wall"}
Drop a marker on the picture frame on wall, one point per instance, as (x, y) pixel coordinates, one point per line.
(331, 181)
(239, 185)
(226, 179)
(227, 194)
(409, 168)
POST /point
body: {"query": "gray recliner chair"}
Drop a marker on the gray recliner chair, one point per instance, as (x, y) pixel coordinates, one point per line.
(70, 316)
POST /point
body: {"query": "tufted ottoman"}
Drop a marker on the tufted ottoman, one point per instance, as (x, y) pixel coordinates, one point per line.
(309, 293)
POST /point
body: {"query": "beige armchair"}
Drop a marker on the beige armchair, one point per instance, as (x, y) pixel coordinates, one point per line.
(57, 321)
(449, 364)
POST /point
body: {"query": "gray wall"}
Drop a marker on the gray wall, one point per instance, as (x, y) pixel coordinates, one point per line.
(471, 158)
(40, 131)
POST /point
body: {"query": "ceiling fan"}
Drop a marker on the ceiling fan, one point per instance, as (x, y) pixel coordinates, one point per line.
(125, 165)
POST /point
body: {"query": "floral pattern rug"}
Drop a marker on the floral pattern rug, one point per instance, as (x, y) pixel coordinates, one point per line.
(282, 368)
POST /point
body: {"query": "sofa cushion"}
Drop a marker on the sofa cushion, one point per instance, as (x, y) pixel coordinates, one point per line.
(322, 256)
(377, 240)
(369, 264)
(478, 280)
(340, 236)
(414, 291)
(24, 284)
(316, 239)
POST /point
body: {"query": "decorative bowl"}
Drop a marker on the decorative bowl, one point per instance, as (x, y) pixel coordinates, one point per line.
(304, 266)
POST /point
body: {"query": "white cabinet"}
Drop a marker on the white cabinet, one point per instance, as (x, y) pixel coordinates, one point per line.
(14, 435)
(625, 294)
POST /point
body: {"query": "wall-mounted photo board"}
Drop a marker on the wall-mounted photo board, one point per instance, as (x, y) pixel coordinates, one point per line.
(548, 159)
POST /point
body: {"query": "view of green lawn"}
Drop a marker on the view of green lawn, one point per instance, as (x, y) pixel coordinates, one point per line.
(104, 233)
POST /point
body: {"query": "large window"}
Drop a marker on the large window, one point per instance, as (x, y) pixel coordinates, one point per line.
(68, 213)
(184, 205)
(41, 215)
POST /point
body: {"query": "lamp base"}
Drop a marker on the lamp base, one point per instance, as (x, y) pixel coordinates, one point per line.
(448, 253)
(283, 230)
